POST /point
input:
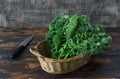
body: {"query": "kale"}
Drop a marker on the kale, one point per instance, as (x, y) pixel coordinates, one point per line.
(73, 35)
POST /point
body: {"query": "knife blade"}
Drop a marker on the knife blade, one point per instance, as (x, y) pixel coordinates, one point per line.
(21, 46)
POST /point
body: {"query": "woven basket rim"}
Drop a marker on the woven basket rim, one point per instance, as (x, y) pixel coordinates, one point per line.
(47, 59)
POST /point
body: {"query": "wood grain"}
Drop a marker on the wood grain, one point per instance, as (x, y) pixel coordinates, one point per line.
(19, 13)
(26, 66)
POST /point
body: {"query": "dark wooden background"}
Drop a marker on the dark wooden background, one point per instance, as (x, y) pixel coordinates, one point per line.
(102, 66)
(26, 13)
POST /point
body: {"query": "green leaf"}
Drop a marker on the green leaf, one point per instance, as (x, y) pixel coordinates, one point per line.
(71, 26)
(73, 35)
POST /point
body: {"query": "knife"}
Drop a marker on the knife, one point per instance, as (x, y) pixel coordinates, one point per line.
(21, 46)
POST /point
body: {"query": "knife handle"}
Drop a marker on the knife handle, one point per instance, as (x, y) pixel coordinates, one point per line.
(16, 52)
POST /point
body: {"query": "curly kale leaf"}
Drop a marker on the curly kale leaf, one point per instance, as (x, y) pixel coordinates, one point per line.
(73, 35)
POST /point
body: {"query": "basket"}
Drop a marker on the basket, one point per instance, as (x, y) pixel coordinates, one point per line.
(57, 66)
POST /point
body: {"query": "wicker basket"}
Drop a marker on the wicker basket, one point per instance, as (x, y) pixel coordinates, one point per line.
(57, 66)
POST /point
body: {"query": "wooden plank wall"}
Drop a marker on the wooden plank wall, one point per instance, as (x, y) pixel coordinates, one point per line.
(40, 12)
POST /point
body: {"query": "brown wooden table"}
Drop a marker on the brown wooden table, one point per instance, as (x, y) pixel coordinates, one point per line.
(26, 66)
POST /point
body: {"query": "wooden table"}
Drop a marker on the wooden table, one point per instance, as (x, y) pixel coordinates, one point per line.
(26, 66)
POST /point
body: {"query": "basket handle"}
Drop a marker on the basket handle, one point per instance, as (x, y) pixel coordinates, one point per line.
(33, 51)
